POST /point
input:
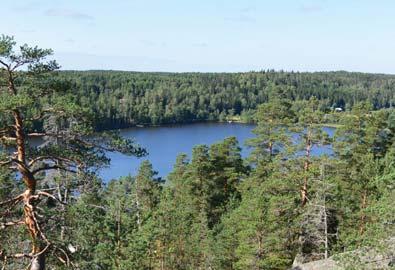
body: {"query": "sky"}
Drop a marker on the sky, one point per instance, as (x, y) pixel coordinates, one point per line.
(208, 35)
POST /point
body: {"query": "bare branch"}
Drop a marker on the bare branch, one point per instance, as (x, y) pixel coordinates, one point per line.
(44, 249)
(20, 256)
(21, 166)
(13, 200)
(46, 194)
(45, 134)
(53, 158)
(4, 64)
(6, 129)
(67, 261)
(47, 167)
(98, 206)
(38, 134)
(11, 223)
(18, 64)
(6, 138)
(4, 163)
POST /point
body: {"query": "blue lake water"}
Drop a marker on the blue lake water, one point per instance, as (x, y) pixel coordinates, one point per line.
(165, 143)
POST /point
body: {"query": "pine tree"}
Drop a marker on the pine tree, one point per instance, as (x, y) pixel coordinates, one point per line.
(355, 146)
(264, 221)
(72, 149)
(273, 119)
(146, 191)
(310, 134)
(228, 171)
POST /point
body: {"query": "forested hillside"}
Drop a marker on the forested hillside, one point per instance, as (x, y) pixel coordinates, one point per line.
(121, 99)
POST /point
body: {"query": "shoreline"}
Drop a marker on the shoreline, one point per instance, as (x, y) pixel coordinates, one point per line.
(180, 124)
(329, 125)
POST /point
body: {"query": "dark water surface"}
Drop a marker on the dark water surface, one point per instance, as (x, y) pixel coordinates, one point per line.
(165, 143)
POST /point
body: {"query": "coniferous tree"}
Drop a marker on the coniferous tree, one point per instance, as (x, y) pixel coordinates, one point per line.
(72, 150)
(263, 221)
(355, 146)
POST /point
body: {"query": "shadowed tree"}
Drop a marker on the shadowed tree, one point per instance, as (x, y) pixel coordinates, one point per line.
(26, 79)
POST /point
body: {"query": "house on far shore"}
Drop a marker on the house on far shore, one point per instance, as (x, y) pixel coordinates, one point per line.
(338, 109)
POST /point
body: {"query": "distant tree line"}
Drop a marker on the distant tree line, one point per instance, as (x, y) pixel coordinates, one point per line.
(123, 99)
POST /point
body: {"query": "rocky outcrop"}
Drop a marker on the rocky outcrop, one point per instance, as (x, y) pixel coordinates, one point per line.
(328, 264)
(380, 258)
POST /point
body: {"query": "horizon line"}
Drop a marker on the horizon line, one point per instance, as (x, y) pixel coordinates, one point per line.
(230, 72)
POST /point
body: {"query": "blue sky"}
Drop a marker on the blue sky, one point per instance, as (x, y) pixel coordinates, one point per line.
(209, 35)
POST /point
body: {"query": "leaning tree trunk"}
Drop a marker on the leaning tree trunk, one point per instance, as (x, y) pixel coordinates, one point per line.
(29, 209)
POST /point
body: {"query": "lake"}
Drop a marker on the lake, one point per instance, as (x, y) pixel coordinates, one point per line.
(165, 143)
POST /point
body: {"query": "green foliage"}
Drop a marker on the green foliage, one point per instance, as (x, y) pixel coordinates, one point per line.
(9, 102)
(273, 121)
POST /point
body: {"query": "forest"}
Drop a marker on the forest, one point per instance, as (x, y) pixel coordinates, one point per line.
(215, 210)
(124, 99)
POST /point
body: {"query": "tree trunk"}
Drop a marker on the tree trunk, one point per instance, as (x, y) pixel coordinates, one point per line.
(38, 261)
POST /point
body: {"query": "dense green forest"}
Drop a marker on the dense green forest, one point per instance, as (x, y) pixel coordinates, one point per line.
(216, 210)
(122, 99)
